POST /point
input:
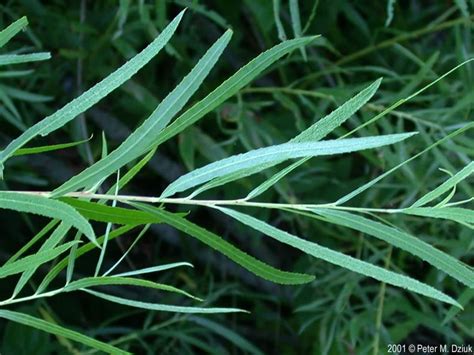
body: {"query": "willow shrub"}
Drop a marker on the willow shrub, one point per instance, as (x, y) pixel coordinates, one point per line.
(75, 203)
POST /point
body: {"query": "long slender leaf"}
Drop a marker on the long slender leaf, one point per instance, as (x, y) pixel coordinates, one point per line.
(49, 244)
(162, 307)
(154, 269)
(340, 259)
(253, 265)
(61, 265)
(125, 281)
(11, 30)
(143, 138)
(46, 207)
(232, 85)
(57, 330)
(8, 59)
(457, 214)
(446, 186)
(277, 153)
(94, 94)
(33, 261)
(48, 148)
(402, 240)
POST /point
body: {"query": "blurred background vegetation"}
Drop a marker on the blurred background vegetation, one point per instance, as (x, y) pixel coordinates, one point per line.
(408, 43)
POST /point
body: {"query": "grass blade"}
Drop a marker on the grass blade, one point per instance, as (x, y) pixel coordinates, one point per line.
(277, 153)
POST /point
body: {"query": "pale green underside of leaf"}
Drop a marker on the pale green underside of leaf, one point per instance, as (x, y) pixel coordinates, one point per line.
(46, 207)
(402, 240)
(8, 59)
(375, 180)
(314, 133)
(340, 259)
(457, 214)
(9, 32)
(143, 138)
(248, 262)
(162, 307)
(59, 331)
(157, 268)
(277, 153)
(87, 282)
(94, 94)
(446, 186)
(33, 261)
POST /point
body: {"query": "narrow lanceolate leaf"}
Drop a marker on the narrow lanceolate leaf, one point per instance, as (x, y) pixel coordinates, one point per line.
(107, 214)
(162, 307)
(340, 259)
(154, 269)
(54, 272)
(33, 261)
(59, 331)
(402, 240)
(7, 59)
(232, 85)
(8, 33)
(94, 94)
(314, 133)
(456, 214)
(48, 148)
(446, 186)
(145, 136)
(296, 23)
(50, 243)
(329, 123)
(123, 281)
(248, 262)
(277, 153)
(46, 207)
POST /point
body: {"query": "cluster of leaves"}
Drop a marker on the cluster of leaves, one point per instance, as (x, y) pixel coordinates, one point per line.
(76, 205)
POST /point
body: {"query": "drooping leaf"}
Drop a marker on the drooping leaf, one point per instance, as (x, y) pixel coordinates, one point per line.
(340, 259)
(248, 262)
(402, 240)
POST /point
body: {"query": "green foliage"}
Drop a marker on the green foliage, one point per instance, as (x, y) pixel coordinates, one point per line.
(272, 139)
